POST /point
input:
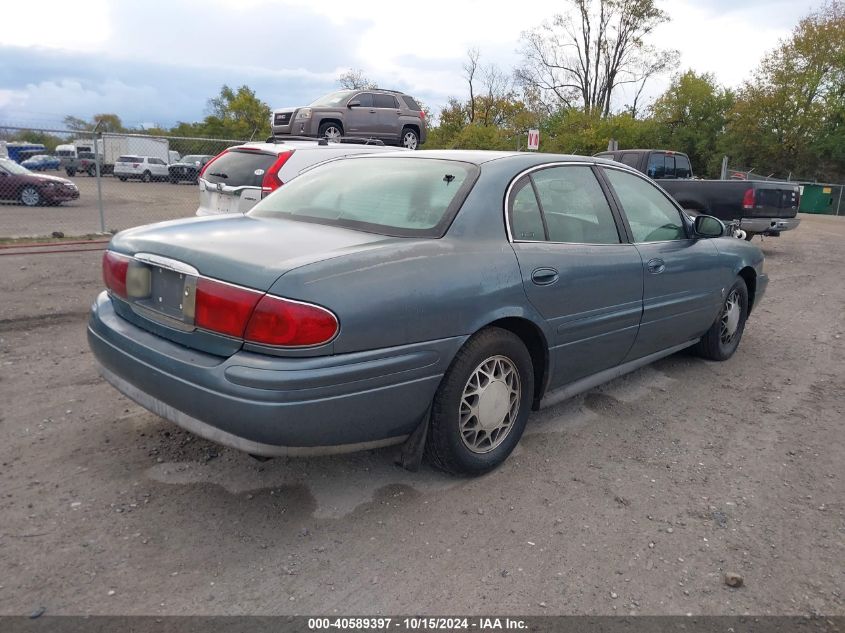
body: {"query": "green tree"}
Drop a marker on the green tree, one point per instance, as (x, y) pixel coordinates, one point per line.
(691, 116)
(236, 114)
(108, 122)
(789, 118)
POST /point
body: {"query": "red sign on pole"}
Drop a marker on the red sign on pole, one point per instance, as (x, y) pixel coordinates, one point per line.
(533, 139)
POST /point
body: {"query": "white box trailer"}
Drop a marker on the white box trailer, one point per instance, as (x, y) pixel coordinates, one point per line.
(112, 146)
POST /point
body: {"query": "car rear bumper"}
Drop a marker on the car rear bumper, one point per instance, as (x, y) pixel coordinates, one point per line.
(268, 405)
(768, 226)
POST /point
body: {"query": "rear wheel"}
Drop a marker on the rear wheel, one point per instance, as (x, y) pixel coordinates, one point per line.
(30, 197)
(331, 131)
(722, 339)
(92, 171)
(174, 180)
(481, 407)
(146, 177)
(70, 172)
(122, 178)
(410, 138)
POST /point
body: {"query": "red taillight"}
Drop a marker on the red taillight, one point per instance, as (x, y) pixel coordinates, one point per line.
(278, 321)
(202, 171)
(136, 165)
(748, 199)
(115, 266)
(224, 308)
(271, 180)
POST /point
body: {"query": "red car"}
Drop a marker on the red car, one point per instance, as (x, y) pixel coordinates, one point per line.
(21, 185)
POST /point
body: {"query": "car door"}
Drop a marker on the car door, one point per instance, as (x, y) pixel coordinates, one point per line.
(681, 274)
(158, 168)
(387, 111)
(361, 120)
(577, 271)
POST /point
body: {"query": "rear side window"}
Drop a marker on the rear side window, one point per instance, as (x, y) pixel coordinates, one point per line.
(384, 101)
(630, 159)
(526, 218)
(682, 167)
(240, 168)
(411, 104)
(130, 159)
(403, 197)
(574, 206)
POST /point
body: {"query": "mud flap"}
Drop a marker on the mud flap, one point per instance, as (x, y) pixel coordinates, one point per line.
(410, 454)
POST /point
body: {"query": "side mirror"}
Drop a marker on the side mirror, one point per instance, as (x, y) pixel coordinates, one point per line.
(355, 103)
(708, 226)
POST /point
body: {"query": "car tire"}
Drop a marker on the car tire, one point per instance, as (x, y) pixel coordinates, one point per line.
(122, 178)
(749, 236)
(30, 197)
(146, 177)
(410, 138)
(174, 180)
(722, 339)
(92, 171)
(330, 131)
(472, 433)
(70, 172)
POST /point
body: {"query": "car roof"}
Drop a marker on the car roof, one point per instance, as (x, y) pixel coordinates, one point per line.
(283, 146)
(479, 157)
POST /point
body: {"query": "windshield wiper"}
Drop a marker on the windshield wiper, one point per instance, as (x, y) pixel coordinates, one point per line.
(218, 174)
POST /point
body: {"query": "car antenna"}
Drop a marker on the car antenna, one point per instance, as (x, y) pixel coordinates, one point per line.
(448, 178)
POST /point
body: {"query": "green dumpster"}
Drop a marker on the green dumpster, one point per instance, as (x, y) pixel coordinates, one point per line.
(816, 199)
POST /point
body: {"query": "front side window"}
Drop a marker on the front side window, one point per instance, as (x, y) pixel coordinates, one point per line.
(653, 218)
(656, 166)
(365, 99)
(403, 197)
(574, 206)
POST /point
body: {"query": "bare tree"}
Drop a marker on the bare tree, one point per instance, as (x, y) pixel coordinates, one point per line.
(354, 79)
(650, 66)
(581, 58)
(470, 68)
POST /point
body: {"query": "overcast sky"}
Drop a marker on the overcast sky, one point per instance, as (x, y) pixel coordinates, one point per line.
(153, 61)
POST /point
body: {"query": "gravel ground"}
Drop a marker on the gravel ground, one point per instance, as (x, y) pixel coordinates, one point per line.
(637, 497)
(125, 204)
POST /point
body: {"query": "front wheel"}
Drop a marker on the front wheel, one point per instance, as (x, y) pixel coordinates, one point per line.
(30, 197)
(70, 172)
(482, 404)
(147, 177)
(410, 138)
(92, 171)
(748, 236)
(722, 339)
(332, 132)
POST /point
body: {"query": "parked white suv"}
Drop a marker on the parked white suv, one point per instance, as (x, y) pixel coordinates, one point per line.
(236, 179)
(146, 168)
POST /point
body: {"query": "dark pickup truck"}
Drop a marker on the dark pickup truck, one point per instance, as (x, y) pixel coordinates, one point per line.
(760, 207)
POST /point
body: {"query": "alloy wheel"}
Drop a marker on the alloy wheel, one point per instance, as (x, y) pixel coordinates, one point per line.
(410, 140)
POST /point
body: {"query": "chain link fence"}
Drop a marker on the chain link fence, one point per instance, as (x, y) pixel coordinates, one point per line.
(157, 180)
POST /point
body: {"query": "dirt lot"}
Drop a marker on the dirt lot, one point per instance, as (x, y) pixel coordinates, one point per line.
(634, 498)
(125, 204)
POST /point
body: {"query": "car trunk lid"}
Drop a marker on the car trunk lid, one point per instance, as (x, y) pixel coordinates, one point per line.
(774, 200)
(251, 253)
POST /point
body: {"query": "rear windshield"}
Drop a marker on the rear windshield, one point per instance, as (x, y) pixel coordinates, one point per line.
(403, 197)
(240, 168)
(130, 159)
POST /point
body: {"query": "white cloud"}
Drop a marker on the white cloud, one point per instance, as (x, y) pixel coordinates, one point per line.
(76, 26)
